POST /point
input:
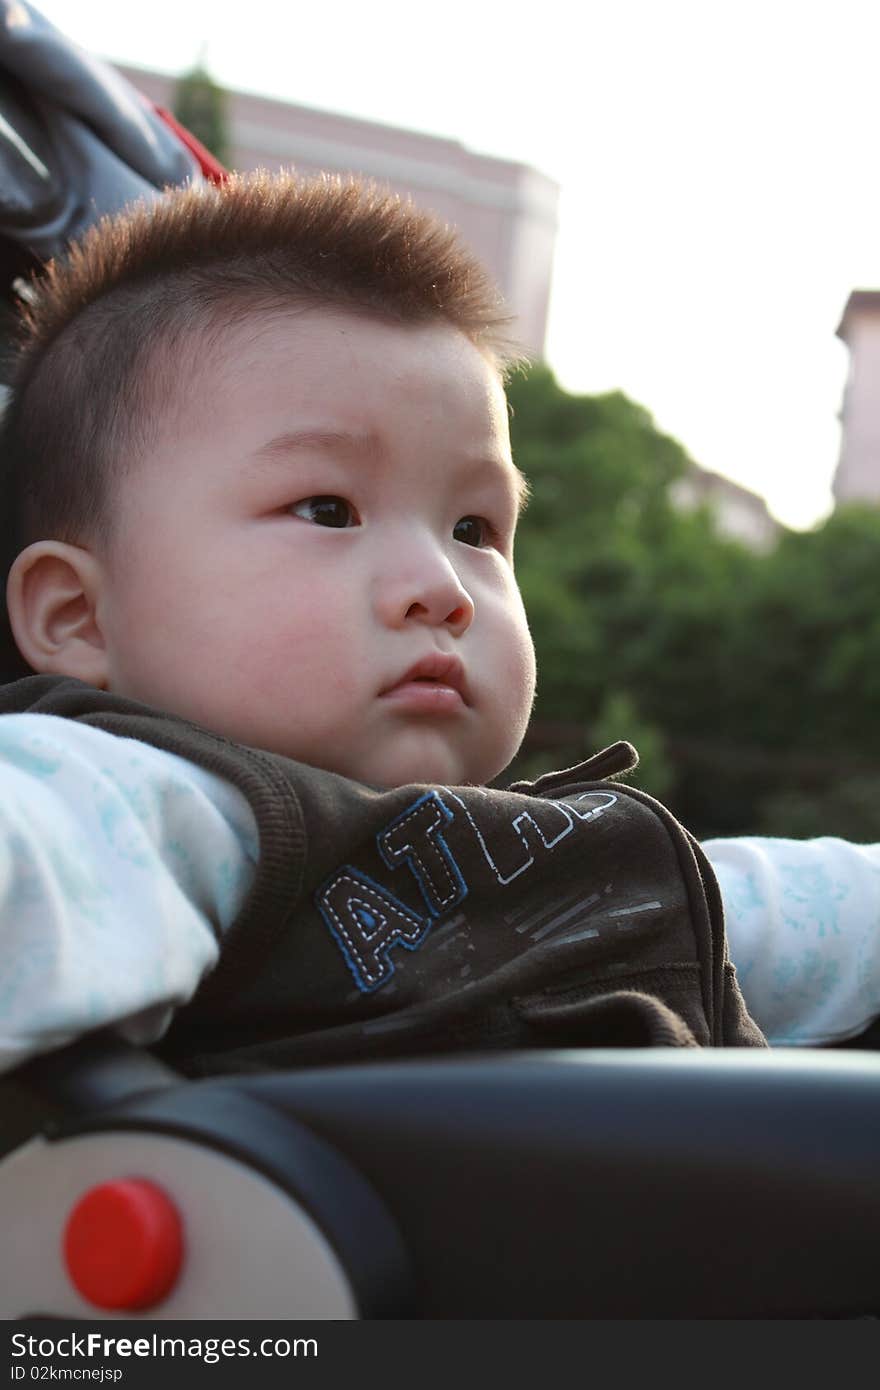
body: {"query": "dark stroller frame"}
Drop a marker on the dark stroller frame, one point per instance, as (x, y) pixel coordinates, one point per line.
(581, 1184)
(630, 1183)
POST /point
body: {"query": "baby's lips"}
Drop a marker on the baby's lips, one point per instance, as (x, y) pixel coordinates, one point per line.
(438, 668)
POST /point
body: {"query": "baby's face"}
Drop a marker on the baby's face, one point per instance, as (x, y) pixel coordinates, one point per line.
(317, 559)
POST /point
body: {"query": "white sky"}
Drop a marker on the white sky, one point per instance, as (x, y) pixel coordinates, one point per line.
(718, 163)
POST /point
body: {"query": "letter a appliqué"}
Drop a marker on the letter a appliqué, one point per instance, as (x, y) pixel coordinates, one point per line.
(367, 921)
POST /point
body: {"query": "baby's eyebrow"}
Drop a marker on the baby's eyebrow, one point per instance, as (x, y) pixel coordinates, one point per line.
(366, 444)
(292, 440)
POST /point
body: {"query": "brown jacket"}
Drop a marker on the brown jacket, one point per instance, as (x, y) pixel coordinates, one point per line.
(573, 911)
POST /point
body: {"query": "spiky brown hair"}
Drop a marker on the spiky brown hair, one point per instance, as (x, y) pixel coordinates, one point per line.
(95, 365)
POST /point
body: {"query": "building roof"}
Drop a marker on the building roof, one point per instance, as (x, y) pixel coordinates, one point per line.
(859, 302)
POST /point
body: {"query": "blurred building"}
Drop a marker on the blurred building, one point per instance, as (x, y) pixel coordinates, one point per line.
(738, 513)
(506, 212)
(858, 470)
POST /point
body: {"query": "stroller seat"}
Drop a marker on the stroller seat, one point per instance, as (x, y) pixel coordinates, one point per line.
(631, 1183)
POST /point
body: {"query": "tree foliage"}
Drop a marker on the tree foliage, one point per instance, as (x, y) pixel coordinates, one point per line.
(200, 105)
(748, 681)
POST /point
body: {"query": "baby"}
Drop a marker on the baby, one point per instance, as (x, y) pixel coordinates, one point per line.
(261, 515)
(287, 510)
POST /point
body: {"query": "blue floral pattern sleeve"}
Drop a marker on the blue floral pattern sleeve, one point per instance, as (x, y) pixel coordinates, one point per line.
(120, 868)
(803, 923)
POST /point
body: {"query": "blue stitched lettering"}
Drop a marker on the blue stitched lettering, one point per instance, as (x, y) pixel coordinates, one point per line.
(415, 838)
(544, 824)
(366, 922)
(581, 807)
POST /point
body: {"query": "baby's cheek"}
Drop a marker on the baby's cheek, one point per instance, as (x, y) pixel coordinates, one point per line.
(522, 681)
(307, 675)
(514, 687)
(521, 662)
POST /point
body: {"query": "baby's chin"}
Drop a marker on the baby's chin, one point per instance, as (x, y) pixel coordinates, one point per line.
(391, 772)
(400, 766)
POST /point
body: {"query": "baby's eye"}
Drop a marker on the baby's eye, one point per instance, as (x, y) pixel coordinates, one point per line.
(472, 530)
(326, 511)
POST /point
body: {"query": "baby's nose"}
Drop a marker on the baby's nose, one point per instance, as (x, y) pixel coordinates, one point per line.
(458, 618)
(431, 593)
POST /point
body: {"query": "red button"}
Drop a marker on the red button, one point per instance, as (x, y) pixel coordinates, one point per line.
(123, 1244)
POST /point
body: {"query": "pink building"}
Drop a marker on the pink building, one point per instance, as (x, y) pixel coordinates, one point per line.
(506, 212)
(739, 513)
(858, 471)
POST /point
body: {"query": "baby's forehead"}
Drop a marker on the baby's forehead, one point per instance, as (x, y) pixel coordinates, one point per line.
(256, 404)
(321, 371)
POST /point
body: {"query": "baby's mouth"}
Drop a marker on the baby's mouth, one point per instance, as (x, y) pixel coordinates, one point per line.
(435, 683)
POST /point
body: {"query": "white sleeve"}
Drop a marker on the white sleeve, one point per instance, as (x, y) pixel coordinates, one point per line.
(803, 923)
(120, 868)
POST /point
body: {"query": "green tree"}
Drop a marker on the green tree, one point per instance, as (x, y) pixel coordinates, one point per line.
(806, 667)
(201, 105)
(622, 589)
(750, 683)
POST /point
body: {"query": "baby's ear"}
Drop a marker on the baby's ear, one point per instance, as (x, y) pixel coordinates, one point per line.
(51, 596)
